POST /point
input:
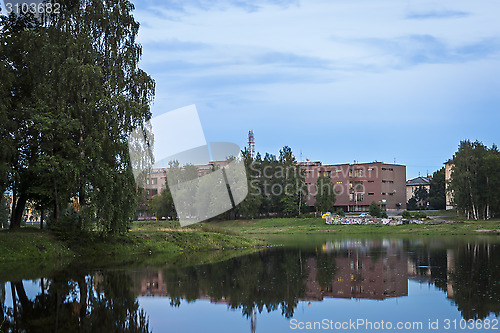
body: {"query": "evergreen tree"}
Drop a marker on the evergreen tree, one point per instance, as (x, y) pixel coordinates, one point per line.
(375, 210)
(293, 189)
(437, 192)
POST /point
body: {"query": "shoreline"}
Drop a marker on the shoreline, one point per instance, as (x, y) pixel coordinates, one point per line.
(169, 240)
(306, 226)
(31, 244)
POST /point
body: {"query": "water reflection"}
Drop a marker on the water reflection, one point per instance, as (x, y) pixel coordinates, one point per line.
(275, 280)
(65, 302)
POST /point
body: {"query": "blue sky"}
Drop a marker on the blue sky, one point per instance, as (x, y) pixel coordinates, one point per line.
(337, 81)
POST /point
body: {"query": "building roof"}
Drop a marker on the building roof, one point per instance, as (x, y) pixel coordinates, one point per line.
(419, 181)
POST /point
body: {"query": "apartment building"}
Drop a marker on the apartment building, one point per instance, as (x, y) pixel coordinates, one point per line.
(414, 184)
(357, 185)
(156, 180)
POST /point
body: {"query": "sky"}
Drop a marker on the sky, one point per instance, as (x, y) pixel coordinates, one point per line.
(336, 80)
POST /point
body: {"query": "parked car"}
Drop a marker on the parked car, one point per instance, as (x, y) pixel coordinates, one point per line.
(364, 215)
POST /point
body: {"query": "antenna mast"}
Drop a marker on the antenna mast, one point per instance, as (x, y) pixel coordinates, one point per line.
(251, 144)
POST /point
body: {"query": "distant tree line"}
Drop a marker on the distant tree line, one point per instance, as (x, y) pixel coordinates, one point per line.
(276, 188)
(70, 94)
(475, 180)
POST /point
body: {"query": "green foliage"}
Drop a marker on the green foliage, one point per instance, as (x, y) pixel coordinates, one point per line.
(340, 212)
(163, 205)
(420, 215)
(292, 184)
(406, 215)
(251, 206)
(384, 214)
(437, 192)
(374, 209)
(276, 187)
(412, 204)
(75, 94)
(475, 180)
(325, 194)
(421, 195)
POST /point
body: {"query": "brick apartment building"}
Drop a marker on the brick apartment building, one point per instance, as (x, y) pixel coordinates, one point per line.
(357, 185)
(157, 178)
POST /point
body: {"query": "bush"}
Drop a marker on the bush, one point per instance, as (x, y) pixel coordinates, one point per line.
(420, 215)
(375, 210)
(384, 214)
(406, 215)
(340, 212)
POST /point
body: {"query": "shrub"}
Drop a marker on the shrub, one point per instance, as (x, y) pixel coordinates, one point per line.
(375, 210)
(406, 214)
(420, 215)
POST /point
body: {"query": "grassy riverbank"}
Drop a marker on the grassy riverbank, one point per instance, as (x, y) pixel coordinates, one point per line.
(143, 238)
(292, 226)
(154, 237)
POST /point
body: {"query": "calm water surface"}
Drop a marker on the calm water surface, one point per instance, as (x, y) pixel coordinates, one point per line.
(309, 284)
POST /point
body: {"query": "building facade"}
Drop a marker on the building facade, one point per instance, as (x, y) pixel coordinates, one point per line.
(156, 180)
(448, 168)
(358, 185)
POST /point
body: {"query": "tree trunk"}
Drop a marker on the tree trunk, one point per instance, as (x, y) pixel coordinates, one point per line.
(17, 212)
(41, 218)
(56, 202)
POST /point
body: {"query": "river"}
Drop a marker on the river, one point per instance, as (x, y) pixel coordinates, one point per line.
(323, 284)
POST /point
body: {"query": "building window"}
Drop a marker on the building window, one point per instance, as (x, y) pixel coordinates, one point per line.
(351, 196)
(371, 193)
(359, 196)
(339, 182)
(370, 181)
(383, 193)
(391, 193)
(358, 173)
(350, 172)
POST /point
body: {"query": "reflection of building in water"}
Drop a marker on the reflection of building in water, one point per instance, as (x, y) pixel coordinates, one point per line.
(379, 275)
(153, 284)
(369, 270)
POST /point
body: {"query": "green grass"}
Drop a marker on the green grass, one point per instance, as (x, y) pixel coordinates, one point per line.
(31, 244)
(292, 226)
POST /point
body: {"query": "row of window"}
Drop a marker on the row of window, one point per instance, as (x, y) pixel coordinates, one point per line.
(360, 196)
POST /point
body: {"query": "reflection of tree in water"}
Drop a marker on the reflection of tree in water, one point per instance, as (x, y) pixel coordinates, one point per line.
(271, 280)
(476, 280)
(469, 274)
(70, 304)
